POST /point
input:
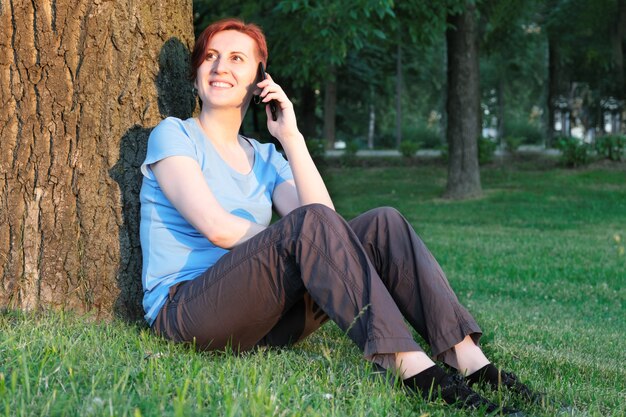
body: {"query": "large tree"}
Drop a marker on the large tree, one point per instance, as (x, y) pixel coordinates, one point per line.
(463, 104)
(81, 84)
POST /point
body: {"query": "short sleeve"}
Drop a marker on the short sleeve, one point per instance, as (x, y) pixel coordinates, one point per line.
(283, 170)
(168, 138)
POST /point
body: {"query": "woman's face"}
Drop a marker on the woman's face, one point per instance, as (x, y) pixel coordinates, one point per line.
(227, 77)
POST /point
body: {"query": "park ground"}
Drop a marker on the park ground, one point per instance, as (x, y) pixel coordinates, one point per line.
(539, 261)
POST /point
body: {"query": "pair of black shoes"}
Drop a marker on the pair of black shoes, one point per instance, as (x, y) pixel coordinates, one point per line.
(434, 383)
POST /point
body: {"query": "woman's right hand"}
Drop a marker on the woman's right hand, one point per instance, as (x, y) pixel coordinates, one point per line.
(285, 127)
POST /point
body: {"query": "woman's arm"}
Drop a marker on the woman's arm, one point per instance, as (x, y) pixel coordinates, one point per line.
(308, 186)
(183, 184)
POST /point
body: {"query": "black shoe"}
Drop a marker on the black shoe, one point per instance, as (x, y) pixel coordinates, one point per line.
(434, 383)
(455, 391)
(497, 379)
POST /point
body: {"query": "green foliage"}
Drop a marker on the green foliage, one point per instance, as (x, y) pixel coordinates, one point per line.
(206, 12)
(427, 138)
(445, 155)
(386, 140)
(574, 152)
(408, 148)
(348, 157)
(582, 30)
(528, 133)
(321, 34)
(486, 150)
(612, 147)
(360, 39)
(317, 149)
(352, 147)
(512, 143)
(513, 63)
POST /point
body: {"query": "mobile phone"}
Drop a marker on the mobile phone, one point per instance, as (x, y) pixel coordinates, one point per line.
(272, 103)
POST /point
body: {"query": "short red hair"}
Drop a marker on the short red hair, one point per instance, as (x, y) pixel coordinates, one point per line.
(199, 49)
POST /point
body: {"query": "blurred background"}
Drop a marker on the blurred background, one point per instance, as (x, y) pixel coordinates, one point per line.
(372, 74)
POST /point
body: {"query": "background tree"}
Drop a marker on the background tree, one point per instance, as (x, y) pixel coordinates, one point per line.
(513, 68)
(81, 85)
(463, 104)
(391, 85)
(309, 43)
(584, 56)
(323, 33)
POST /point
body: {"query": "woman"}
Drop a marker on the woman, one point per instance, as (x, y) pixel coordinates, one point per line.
(217, 275)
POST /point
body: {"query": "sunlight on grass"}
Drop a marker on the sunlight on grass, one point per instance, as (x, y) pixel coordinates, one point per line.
(537, 261)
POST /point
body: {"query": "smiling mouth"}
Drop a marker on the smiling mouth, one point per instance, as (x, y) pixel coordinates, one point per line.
(220, 84)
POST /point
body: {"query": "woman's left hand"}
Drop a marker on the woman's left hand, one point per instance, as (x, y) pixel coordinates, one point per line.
(285, 128)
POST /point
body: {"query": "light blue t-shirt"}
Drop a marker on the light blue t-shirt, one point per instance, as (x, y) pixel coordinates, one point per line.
(173, 250)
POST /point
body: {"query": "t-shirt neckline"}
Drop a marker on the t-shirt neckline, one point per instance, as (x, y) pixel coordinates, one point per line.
(232, 170)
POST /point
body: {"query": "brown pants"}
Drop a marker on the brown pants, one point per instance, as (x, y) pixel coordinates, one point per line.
(366, 275)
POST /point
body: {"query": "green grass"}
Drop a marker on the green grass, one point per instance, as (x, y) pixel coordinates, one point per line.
(537, 261)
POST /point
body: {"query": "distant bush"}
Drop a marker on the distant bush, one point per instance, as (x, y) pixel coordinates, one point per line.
(408, 148)
(385, 141)
(317, 149)
(612, 147)
(348, 157)
(512, 143)
(427, 137)
(352, 147)
(574, 152)
(486, 150)
(528, 133)
(444, 153)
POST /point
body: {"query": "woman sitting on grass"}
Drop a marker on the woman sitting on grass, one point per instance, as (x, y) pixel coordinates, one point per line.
(216, 274)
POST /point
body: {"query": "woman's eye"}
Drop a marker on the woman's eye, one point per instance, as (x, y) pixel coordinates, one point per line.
(210, 56)
(237, 58)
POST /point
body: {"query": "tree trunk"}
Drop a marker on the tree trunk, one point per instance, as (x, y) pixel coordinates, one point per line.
(500, 108)
(463, 106)
(81, 84)
(618, 37)
(371, 126)
(559, 86)
(306, 118)
(330, 108)
(552, 87)
(622, 65)
(399, 94)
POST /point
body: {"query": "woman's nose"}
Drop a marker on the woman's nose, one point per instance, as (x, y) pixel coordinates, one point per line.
(219, 66)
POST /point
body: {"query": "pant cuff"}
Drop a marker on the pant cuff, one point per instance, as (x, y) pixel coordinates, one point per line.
(442, 346)
(382, 350)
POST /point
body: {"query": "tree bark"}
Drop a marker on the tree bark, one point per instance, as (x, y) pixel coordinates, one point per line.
(618, 37)
(306, 118)
(553, 88)
(622, 30)
(399, 94)
(330, 108)
(463, 105)
(371, 126)
(82, 82)
(500, 108)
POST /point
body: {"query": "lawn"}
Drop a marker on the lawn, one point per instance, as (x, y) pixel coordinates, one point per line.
(539, 261)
